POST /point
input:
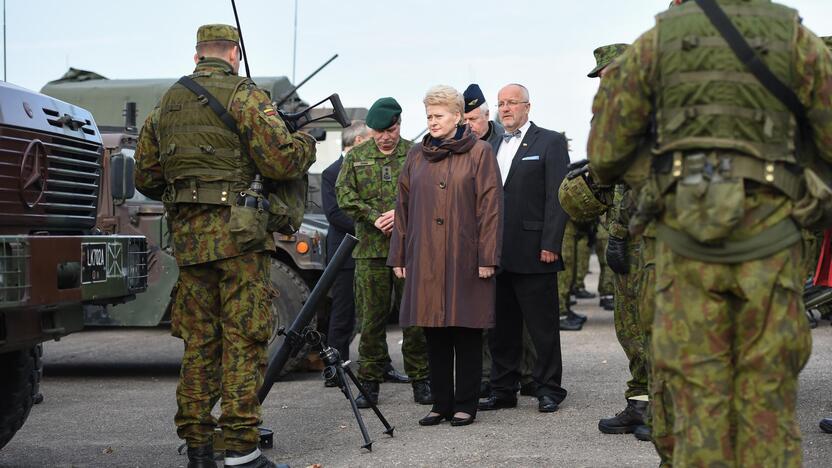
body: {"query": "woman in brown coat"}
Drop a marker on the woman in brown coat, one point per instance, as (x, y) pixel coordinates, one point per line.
(446, 242)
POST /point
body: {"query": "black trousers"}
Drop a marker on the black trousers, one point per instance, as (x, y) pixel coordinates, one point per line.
(445, 344)
(342, 315)
(533, 299)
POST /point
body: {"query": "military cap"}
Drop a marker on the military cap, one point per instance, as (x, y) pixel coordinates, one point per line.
(604, 55)
(473, 97)
(217, 32)
(383, 113)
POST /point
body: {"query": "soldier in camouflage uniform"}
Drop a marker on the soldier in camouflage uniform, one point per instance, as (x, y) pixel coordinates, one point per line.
(606, 289)
(189, 159)
(569, 320)
(826, 423)
(729, 337)
(366, 190)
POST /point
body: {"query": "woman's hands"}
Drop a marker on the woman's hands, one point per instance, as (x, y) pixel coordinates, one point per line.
(486, 272)
(400, 272)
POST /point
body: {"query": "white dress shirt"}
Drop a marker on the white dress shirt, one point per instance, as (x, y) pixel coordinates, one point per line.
(507, 150)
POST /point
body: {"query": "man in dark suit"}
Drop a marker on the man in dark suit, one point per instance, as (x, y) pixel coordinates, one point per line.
(342, 315)
(533, 163)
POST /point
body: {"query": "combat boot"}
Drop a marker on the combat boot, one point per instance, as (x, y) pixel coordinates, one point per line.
(607, 302)
(569, 322)
(826, 425)
(626, 421)
(582, 293)
(372, 389)
(201, 457)
(421, 392)
(253, 458)
(643, 433)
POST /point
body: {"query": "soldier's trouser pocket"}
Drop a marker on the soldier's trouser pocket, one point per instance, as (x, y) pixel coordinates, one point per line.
(709, 209)
(247, 226)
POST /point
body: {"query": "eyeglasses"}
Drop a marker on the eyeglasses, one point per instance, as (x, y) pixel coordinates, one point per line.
(510, 103)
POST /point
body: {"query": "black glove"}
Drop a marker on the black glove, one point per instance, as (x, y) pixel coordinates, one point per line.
(617, 255)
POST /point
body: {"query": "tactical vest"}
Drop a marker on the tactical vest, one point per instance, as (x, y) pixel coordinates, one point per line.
(202, 160)
(707, 99)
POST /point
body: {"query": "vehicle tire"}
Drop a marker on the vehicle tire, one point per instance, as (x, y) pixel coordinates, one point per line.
(292, 293)
(18, 386)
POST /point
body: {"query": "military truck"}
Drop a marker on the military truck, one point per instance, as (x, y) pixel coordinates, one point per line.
(120, 106)
(53, 260)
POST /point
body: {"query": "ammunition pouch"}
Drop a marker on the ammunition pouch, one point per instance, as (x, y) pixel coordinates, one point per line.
(247, 224)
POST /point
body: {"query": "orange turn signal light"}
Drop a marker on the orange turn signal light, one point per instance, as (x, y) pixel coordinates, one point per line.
(302, 247)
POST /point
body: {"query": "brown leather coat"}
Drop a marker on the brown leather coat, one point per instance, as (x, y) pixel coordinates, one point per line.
(448, 224)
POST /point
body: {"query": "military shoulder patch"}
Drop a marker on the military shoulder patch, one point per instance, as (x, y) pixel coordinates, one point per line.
(270, 111)
(363, 163)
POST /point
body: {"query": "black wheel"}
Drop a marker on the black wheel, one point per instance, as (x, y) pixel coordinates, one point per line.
(19, 381)
(292, 293)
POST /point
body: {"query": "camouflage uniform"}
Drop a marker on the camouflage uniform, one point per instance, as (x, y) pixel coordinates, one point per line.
(366, 188)
(628, 323)
(582, 259)
(605, 276)
(221, 308)
(728, 338)
(566, 278)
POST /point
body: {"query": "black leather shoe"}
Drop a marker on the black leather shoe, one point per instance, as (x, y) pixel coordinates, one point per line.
(576, 316)
(495, 403)
(432, 420)
(607, 303)
(643, 433)
(582, 293)
(250, 459)
(485, 389)
(372, 389)
(826, 425)
(462, 421)
(626, 421)
(546, 404)
(421, 392)
(201, 457)
(570, 324)
(393, 376)
(528, 389)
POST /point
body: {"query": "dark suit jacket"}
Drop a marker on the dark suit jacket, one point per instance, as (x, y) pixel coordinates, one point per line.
(339, 223)
(533, 217)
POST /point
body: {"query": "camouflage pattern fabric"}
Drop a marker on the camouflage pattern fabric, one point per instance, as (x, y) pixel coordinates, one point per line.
(200, 232)
(628, 325)
(566, 278)
(582, 264)
(214, 301)
(605, 276)
(714, 369)
(367, 187)
(375, 288)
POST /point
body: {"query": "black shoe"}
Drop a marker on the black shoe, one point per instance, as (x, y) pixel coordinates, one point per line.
(643, 433)
(331, 382)
(582, 293)
(201, 457)
(546, 404)
(394, 376)
(485, 389)
(528, 389)
(432, 420)
(607, 303)
(576, 316)
(570, 324)
(494, 403)
(462, 421)
(252, 459)
(372, 389)
(626, 421)
(826, 425)
(421, 392)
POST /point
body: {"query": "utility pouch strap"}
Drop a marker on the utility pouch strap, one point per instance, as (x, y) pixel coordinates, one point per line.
(212, 102)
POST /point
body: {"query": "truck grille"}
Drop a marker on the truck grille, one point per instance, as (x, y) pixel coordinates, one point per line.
(14, 280)
(72, 185)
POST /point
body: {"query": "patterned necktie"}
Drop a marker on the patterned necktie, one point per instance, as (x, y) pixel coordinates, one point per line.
(509, 135)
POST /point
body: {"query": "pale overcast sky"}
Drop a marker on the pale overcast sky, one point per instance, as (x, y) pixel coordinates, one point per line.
(387, 48)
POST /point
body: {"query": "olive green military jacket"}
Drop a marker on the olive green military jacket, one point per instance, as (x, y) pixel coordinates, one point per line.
(625, 104)
(367, 186)
(200, 231)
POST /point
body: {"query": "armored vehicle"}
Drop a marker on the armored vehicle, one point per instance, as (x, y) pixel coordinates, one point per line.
(53, 260)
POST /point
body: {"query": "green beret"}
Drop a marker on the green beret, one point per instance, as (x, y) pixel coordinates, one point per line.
(828, 41)
(604, 55)
(217, 32)
(383, 113)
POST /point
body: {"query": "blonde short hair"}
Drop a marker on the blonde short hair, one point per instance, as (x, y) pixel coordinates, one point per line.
(442, 95)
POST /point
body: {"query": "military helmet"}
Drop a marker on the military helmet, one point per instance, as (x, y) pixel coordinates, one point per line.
(580, 197)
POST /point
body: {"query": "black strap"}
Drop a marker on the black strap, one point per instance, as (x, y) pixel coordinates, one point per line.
(212, 102)
(750, 59)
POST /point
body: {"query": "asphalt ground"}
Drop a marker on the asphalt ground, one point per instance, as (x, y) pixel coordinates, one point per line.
(109, 402)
